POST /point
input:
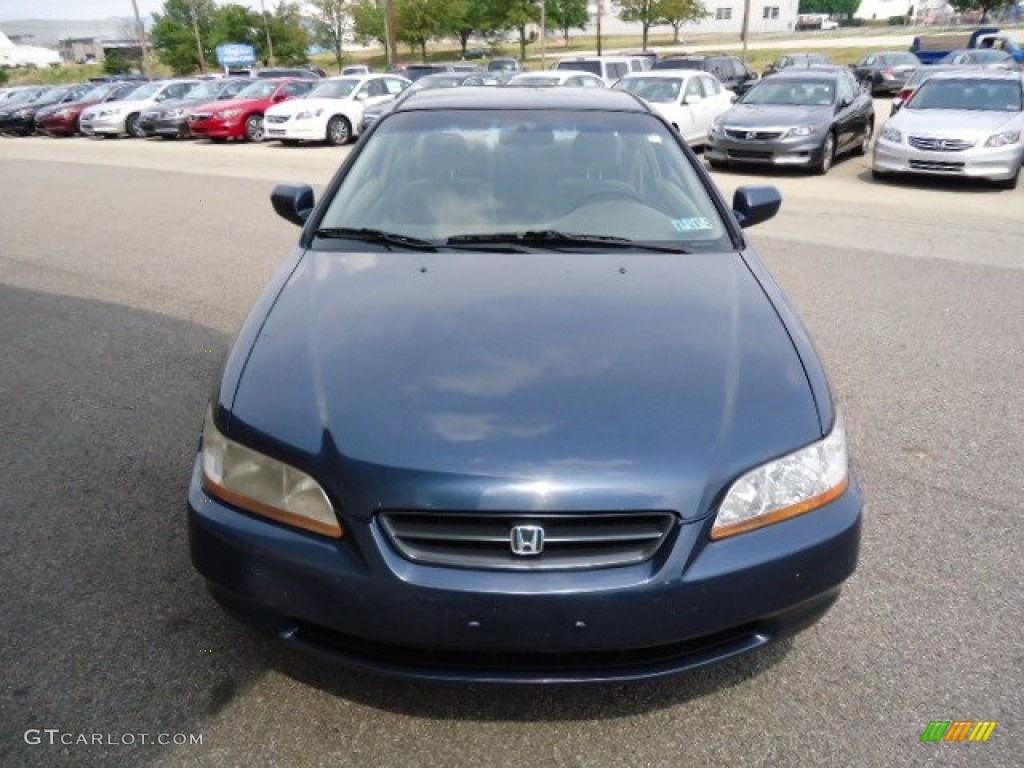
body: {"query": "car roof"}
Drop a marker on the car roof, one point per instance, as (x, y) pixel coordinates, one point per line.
(666, 74)
(483, 97)
(809, 73)
(978, 73)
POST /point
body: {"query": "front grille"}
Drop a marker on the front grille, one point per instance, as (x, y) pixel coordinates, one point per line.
(934, 165)
(743, 134)
(524, 665)
(484, 541)
(939, 145)
(277, 118)
(743, 154)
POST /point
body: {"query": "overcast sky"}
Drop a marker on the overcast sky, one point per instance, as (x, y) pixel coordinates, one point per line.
(88, 9)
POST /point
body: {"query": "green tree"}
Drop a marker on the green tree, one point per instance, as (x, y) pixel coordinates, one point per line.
(174, 34)
(831, 7)
(235, 23)
(675, 13)
(473, 17)
(643, 11)
(518, 15)
(567, 14)
(115, 62)
(288, 34)
(4, 77)
(985, 6)
(334, 19)
(420, 21)
(368, 23)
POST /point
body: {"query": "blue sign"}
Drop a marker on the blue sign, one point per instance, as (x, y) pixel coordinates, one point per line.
(236, 55)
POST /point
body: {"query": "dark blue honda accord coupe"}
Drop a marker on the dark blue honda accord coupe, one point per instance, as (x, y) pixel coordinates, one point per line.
(524, 406)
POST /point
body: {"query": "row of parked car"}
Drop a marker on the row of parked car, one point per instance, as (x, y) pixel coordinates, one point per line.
(968, 122)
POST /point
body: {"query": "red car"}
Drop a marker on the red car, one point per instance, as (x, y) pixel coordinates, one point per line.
(242, 116)
(62, 119)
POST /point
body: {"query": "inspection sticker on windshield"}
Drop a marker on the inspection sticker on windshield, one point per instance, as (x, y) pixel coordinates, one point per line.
(686, 225)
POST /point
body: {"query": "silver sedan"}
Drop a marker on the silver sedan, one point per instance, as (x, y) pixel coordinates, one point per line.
(967, 124)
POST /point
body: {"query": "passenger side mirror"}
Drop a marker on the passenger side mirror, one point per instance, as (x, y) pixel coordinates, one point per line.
(752, 205)
(293, 202)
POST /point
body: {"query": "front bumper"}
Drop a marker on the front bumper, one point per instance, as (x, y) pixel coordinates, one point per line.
(803, 151)
(164, 126)
(995, 163)
(358, 601)
(109, 125)
(217, 128)
(58, 126)
(18, 126)
(296, 130)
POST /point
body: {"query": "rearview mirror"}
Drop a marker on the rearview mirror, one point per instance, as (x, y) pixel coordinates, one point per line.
(752, 205)
(293, 202)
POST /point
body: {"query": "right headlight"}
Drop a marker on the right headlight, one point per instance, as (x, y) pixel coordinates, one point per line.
(786, 487)
(264, 486)
(891, 134)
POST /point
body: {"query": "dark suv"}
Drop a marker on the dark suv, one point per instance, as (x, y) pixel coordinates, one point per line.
(730, 70)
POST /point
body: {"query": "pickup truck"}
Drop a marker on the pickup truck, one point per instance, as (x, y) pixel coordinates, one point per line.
(930, 48)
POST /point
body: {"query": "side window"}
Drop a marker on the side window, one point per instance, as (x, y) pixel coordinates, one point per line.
(693, 91)
(617, 69)
(869, 61)
(393, 87)
(740, 69)
(574, 82)
(719, 68)
(710, 86)
(295, 89)
(846, 91)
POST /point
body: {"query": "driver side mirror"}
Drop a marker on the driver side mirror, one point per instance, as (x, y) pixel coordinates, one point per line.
(752, 205)
(293, 202)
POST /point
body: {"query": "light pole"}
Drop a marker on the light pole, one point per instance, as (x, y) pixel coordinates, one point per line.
(600, 13)
(199, 42)
(140, 34)
(543, 35)
(746, 28)
(266, 26)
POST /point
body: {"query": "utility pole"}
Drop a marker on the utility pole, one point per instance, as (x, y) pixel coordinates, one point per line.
(600, 13)
(266, 26)
(140, 35)
(543, 35)
(199, 42)
(745, 34)
(390, 31)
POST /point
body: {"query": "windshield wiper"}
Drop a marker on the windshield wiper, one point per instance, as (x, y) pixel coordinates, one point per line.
(554, 239)
(391, 239)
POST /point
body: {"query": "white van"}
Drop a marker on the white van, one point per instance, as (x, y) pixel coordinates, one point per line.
(608, 68)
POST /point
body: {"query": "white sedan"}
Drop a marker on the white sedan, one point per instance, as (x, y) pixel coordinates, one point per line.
(568, 78)
(688, 99)
(333, 111)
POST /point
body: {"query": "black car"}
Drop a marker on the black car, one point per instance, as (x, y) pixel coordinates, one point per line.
(504, 64)
(886, 72)
(415, 71)
(20, 119)
(445, 79)
(799, 117)
(169, 119)
(524, 405)
(730, 70)
(796, 60)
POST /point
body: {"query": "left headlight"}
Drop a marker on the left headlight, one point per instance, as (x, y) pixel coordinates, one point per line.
(229, 113)
(802, 130)
(786, 487)
(264, 486)
(891, 134)
(1003, 139)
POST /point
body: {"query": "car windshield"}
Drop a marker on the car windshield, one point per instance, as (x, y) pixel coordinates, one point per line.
(98, 92)
(261, 90)
(51, 97)
(206, 90)
(146, 91)
(798, 93)
(434, 175)
(535, 81)
(658, 90)
(593, 67)
(966, 94)
(335, 89)
(901, 60)
(679, 64)
(23, 96)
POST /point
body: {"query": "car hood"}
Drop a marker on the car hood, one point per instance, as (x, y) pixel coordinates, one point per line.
(772, 115)
(954, 123)
(225, 104)
(294, 106)
(493, 381)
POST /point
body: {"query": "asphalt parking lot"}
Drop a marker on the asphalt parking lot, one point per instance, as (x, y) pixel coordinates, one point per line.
(127, 266)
